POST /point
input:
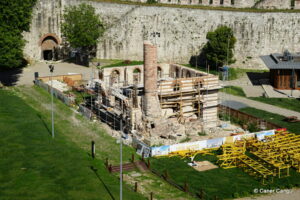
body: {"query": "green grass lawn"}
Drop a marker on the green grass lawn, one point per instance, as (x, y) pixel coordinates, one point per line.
(119, 63)
(35, 166)
(202, 69)
(274, 118)
(288, 103)
(223, 183)
(234, 90)
(79, 132)
(234, 73)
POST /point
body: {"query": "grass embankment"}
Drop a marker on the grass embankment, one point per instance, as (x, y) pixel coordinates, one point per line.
(223, 183)
(120, 63)
(274, 118)
(288, 103)
(35, 166)
(75, 132)
(234, 73)
(234, 90)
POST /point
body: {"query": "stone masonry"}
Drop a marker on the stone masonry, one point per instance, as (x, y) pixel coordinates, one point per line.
(182, 31)
(274, 4)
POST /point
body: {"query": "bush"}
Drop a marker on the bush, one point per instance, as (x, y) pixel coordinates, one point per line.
(253, 128)
(151, 1)
(202, 133)
(127, 62)
(246, 194)
(236, 195)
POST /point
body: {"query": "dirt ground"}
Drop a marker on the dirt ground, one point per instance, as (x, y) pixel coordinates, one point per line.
(204, 166)
(25, 76)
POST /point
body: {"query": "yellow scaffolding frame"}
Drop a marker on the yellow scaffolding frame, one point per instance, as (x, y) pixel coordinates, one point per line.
(274, 156)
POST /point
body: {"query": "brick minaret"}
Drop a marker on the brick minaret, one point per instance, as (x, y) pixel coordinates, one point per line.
(151, 106)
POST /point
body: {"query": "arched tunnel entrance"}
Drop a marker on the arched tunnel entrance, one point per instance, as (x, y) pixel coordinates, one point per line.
(49, 45)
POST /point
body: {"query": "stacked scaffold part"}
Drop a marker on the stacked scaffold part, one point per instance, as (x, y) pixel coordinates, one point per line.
(233, 155)
(192, 153)
(279, 152)
(268, 158)
(272, 156)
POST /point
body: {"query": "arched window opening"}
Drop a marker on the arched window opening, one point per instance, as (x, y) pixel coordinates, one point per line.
(136, 76)
(177, 73)
(115, 77)
(188, 74)
(159, 72)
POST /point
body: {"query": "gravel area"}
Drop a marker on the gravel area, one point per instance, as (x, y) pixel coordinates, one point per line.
(25, 76)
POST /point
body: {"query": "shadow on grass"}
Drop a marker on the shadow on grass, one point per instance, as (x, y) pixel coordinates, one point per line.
(108, 191)
(9, 77)
(45, 124)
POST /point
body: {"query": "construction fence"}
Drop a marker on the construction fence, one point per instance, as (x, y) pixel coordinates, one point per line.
(246, 117)
(56, 93)
(207, 144)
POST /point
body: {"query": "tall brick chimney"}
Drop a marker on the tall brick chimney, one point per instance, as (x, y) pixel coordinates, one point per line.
(151, 106)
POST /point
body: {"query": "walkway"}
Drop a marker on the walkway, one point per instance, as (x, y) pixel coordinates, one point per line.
(235, 102)
(25, 76)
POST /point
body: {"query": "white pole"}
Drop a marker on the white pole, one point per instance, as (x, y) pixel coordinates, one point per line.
(52, 112)
(121, 172)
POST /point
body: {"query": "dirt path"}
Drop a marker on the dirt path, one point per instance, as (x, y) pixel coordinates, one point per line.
(255, 104)
(25, 76)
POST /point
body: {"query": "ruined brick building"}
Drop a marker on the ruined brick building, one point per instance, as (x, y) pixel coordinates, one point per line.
(159, 101)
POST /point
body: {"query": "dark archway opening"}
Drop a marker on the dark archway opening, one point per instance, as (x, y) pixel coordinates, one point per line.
(49, 47)
(47, 54)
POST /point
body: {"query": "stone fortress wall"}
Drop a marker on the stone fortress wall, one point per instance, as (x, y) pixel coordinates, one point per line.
(179, 33)
(265, 4)
(225, 3)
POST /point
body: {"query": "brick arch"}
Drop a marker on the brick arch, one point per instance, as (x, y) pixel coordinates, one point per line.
(49, 35)
(136, 69)
(178, 72)
(136, 75)
(115, 75)
(49, 45)
(159, 72)
(115, 70)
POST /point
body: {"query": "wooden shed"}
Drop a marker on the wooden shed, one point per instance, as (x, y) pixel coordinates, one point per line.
(284, 70)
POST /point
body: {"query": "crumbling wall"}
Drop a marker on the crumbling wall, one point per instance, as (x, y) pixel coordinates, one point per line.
(126, 75)
(274, 4)
(297, 4)
(191, 98)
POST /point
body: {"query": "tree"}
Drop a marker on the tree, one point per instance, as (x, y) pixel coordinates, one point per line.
(11, 51)
(82, 27)
(15, 17)
(219, 47)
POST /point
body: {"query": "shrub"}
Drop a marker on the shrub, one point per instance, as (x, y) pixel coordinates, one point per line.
(236, 195)
(202, 133)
